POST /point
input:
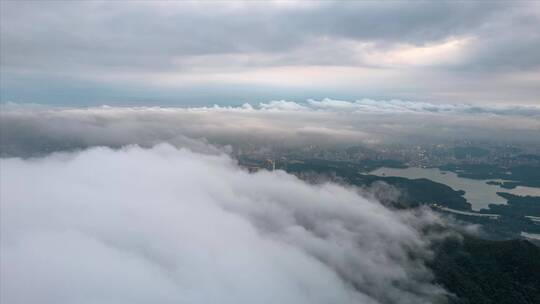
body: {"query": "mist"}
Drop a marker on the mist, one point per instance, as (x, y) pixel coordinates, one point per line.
(33, 130)
(168, 225)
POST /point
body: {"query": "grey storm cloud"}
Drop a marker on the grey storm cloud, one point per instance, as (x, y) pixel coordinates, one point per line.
(99, 33)
(491, 52)
(30, 130)
(165, 225)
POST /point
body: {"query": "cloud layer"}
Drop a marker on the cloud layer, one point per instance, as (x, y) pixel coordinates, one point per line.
(166, 52)
(168, 226)
(34, 130)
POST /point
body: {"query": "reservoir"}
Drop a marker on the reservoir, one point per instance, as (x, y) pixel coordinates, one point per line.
(477, 192)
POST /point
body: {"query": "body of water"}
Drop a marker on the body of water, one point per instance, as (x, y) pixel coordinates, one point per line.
(533, 236)
(477, 192)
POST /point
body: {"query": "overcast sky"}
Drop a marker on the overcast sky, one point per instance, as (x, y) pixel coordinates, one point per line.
(180, 53)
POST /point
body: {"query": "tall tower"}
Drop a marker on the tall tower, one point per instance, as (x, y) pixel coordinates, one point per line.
(269, 164)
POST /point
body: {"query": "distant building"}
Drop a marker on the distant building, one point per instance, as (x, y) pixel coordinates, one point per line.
(269, 164)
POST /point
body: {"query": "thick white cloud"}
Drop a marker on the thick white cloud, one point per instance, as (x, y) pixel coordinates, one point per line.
(163, 225)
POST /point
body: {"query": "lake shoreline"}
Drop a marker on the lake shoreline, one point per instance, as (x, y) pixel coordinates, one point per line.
(479, 193)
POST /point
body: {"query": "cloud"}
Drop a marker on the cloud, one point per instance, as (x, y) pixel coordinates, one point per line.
(256, 28)
(168, 226)
(36, 130)
(404, 106)
(436, 50)
(282, 105)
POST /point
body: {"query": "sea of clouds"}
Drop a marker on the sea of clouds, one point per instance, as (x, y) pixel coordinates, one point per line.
(31, 130)
(168, 225)
(144, 204)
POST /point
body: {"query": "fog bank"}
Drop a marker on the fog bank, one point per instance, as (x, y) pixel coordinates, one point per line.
(37, 130)
(164, 225)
